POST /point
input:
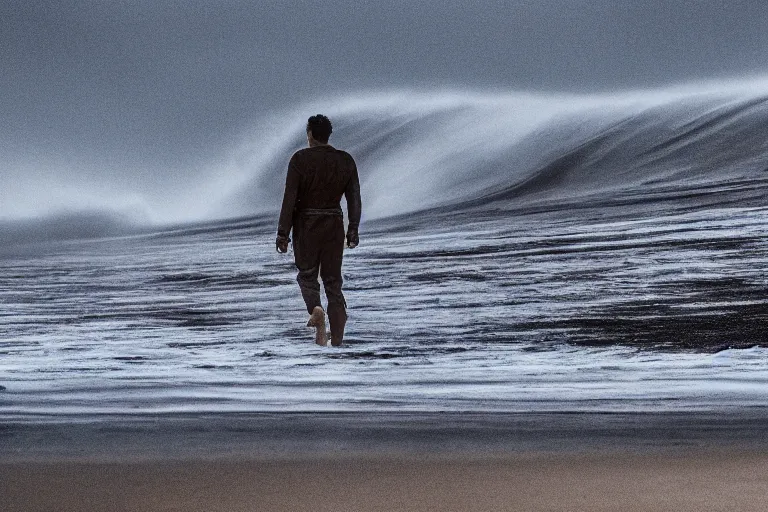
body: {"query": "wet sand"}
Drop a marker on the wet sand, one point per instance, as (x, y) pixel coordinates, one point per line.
(693, 481)
(697, 461)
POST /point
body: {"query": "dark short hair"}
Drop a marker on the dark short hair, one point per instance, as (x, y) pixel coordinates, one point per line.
(321, 127)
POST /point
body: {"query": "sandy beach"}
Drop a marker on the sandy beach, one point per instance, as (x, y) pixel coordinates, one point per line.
(386, 461)
(694, 481)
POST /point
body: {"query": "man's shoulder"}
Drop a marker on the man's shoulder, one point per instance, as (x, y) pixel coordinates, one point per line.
(300, 154)
(307, 154)
(345, 156)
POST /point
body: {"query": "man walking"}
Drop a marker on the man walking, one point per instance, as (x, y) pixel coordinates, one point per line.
(317, 178)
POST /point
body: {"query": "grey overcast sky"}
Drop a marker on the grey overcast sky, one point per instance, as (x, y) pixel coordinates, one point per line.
(147, 86)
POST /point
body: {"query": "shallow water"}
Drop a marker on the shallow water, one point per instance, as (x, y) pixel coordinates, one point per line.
(589, 310)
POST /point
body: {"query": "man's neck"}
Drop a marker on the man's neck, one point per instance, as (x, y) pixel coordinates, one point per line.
(314, 144)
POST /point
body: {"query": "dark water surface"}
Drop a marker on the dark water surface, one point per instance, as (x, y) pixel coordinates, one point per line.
(590, 309)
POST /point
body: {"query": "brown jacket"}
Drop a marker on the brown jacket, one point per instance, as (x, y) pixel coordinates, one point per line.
(317, 178)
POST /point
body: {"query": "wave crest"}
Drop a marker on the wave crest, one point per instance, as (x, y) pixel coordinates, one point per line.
(450, 150)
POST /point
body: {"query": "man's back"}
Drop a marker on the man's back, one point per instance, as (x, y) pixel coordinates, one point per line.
(325, 173)
(317, 178)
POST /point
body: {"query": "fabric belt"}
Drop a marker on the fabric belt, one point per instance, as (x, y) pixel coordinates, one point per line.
(321, 211)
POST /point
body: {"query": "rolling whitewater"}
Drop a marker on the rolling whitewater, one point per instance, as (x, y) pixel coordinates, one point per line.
(518, 253)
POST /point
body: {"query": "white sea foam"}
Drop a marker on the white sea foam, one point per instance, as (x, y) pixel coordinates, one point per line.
(470, 317)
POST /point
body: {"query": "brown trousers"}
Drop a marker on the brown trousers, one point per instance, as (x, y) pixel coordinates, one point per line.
(318, 248)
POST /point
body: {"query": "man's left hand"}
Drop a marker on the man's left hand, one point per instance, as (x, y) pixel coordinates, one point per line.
(282, 244)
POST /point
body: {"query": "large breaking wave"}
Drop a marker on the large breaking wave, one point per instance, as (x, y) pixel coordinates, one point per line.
(419, 151)
(497, 152)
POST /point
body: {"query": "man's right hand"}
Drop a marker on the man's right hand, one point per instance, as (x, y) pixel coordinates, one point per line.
(352, 238)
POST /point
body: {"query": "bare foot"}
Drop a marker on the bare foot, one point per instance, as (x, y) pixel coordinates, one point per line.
(317, 320)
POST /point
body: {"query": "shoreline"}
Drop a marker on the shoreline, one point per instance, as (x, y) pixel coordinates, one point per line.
(570, 462)
(194, 436)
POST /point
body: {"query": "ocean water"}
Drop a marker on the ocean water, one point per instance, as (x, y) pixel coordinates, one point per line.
(517, 254)
(531, 316)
